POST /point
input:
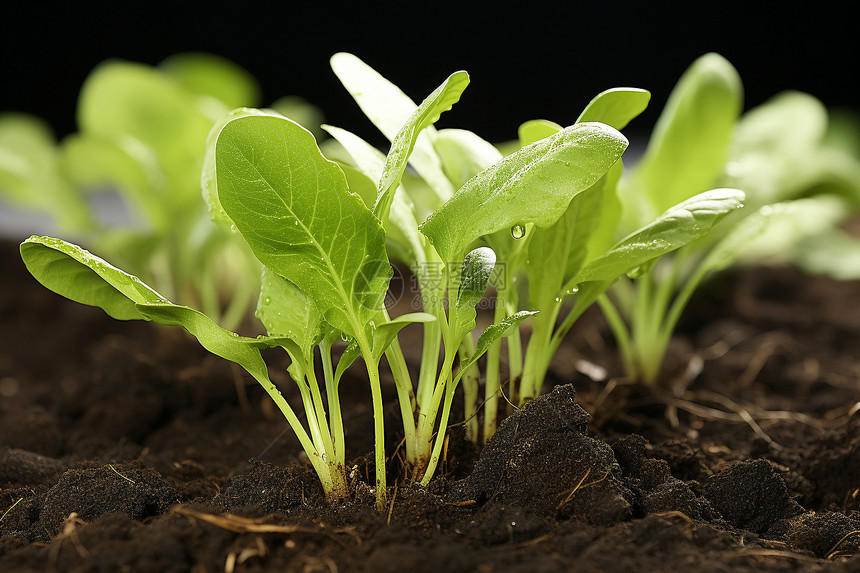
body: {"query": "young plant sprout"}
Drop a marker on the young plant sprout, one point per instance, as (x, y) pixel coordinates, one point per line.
(774, 153)
(141, 135)
(324, 228)
(580, 230)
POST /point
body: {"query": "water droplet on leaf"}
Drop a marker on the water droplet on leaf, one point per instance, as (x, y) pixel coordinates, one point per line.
(518, 231)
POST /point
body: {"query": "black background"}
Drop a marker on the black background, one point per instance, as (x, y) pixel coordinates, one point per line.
(526, 60)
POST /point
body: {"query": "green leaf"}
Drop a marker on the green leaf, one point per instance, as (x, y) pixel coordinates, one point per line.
(790, 124)
(286, 311)
(533, 185)
(210, 75)
(475, 276)
(603, 234)
(302, 112)
(30, 175)
(775, 151)
(383, 334)
(673, 229)
(79, 275)
(832, 253)
(83, 277)
(772, 233)
(577, 237)
(367, 158)
(128, 99)
(438, 102)
(689, 144)
(123, 164)
(616, 107)
(474, 279)
(349, 356)
(301, 221)
(208, 181)
(400, 225)
(537, 129)
(27, 159)
(360, 184)
(389, 109)
(493, 333)
(464, 154)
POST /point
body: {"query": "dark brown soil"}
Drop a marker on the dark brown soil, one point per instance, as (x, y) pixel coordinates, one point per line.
(125, 447)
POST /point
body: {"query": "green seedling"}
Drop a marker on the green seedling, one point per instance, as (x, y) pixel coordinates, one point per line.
(323, 230)
(142, 133)
(548, 211)
(701, 140)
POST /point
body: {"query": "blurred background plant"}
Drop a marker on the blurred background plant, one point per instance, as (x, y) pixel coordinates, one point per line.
(799, 168)
(127, 183)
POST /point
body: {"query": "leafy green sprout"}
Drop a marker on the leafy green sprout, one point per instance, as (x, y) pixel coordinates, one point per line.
(141, 135)
(322, 231)
(581, 230)
(275, 187)
(774, 152)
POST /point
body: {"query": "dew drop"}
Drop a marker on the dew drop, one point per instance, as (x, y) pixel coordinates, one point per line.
(518, 231)
(267, 300)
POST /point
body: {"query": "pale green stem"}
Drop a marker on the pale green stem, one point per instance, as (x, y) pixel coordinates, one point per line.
(333, 397)
(641, 316)
(427, 418)
(580, 306)
(330, 487)
(240, 304)
(493, 383)
(320, 410)
(515, 359)
(429, 361)
(207, 294)
(443, 429)
(511, 298)
(654, 346)
(310, 411)
(681, 300)
(378, 419)
(440, 439)
(405, 398)
(620, 331)
(471, 381)
(538, 353)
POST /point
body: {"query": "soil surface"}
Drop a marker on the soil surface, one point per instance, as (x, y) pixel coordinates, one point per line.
(125, 447)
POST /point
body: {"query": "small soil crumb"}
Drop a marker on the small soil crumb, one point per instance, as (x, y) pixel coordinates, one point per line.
(751, 495)
(541, 458)
(20, 467)
(656, 489)
(824, 534)
(131, 489)
(269, 489)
